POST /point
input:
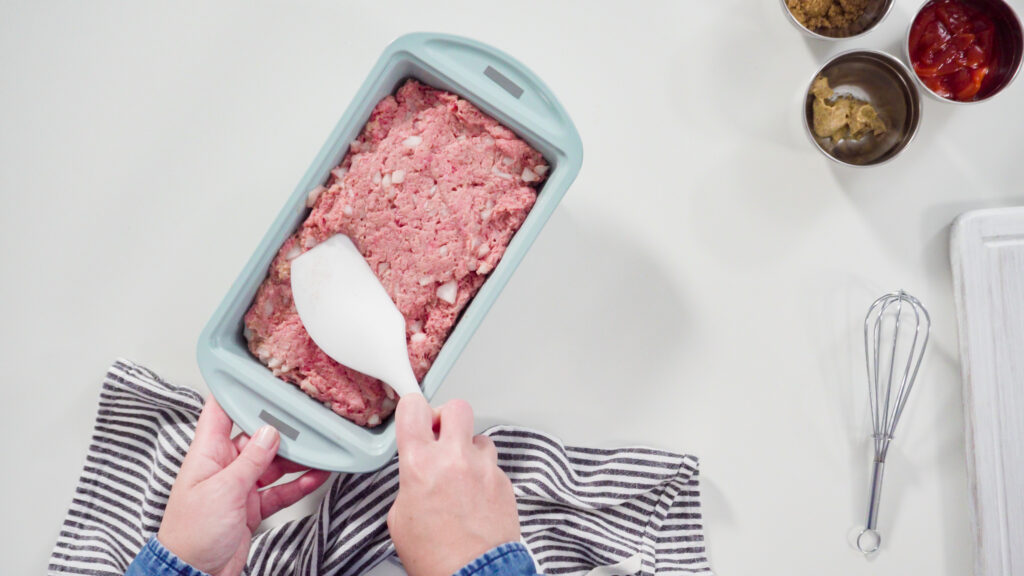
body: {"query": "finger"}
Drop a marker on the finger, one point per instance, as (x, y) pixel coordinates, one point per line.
(209, 450)
(214, 425)
(255, 458)
(487, 447)
(484, 443)
(279, 467)
(280, 497)
(456, 422)
(252, 510)
(240, 441)
(413, 421)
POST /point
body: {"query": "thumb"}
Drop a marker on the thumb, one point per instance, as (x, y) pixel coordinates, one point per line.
(255, 458)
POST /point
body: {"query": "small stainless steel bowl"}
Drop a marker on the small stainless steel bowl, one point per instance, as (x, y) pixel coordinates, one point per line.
(1009, 43)
(885, 83)
(876, 11)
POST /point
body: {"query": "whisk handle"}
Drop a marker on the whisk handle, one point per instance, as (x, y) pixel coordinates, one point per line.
(869, 539)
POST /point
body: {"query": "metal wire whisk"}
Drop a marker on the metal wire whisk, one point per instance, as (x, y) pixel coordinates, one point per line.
(900, 317)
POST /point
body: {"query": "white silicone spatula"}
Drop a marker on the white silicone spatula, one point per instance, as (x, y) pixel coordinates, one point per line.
(349, 315)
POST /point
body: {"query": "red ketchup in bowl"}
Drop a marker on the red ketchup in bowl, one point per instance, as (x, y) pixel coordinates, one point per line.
(953, 48)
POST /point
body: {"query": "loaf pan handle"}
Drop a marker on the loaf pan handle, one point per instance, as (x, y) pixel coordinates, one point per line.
(300, 442)
(499, 82)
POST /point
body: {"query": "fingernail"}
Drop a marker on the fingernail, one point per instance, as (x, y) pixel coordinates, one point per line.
(265, 437)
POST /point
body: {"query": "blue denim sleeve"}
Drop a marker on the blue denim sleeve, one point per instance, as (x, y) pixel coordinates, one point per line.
(155, 560)
(510, 559)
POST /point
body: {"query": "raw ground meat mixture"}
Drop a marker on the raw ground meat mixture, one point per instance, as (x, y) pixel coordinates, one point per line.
(431, 193)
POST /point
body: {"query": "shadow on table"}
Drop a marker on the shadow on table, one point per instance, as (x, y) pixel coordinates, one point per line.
(745, 219)
(838, 346)
(714, 504)
(890, 199)
(732, 94)
(587, 323)
(938, 220)
(950, 442)
(822, 50)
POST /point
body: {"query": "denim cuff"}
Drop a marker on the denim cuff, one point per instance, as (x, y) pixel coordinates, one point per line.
(155, 560)
(511, 559)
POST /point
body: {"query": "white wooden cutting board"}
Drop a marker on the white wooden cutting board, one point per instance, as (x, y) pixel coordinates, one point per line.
(987, 254)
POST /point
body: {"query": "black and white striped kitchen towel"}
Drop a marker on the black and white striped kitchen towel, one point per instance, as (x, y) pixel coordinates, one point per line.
(622, 511)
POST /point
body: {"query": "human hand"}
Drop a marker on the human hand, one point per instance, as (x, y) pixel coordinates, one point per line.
(454, 503)
(216, 502)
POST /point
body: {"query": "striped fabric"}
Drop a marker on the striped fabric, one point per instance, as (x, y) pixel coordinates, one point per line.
(581, 509)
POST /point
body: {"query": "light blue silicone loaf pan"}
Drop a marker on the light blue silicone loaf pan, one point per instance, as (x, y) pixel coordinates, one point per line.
(312, 434)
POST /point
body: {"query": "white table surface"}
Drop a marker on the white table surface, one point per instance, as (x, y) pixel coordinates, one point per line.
(700, 289)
